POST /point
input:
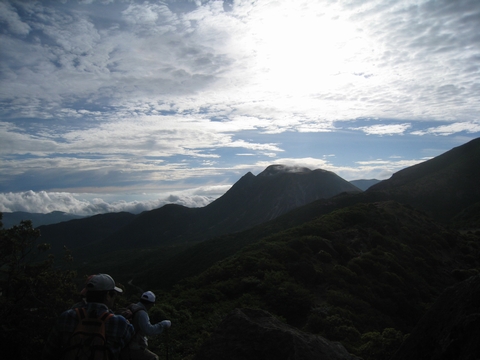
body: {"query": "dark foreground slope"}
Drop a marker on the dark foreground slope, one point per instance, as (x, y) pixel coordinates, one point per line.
(363, 275)
(450, 329)
(257, 335)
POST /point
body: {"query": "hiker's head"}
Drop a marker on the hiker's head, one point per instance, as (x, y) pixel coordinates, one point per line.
(148, 298)
(101, 288)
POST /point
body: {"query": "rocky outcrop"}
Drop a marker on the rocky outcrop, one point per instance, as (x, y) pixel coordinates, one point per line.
(450, 329)
(247, 334)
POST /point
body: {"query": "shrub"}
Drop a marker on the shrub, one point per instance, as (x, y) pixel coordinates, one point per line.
(34, 292)
(380, 346)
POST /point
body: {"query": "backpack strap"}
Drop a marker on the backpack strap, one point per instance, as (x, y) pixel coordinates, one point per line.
(81, 313)
(106, 315)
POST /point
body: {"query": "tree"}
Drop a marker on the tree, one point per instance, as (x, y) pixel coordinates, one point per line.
(383, 345)
(33, 291)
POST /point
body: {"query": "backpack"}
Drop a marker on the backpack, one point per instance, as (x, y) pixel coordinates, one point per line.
(88, 341)
(128, 312)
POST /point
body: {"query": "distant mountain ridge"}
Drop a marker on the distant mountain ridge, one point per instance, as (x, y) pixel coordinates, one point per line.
(250, 201)
(76, 233)
(275, 191)
(10, 219)
(443, 187)
(364, 184)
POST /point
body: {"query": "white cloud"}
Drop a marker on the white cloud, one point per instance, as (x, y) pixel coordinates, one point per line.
(468, 127)
(88, 204)
(295, 58)
(310, 163)
(9, 16)
(80, 204)
(376, 169)
(373, 169)
(384, 129)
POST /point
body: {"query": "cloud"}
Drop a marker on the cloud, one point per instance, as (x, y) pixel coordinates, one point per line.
(384, 129)
(377, 169)
(373, 169)
(9, 16)
(112, 143)
(468, 127)
(78, 204)
(292, 58)
(86, 204)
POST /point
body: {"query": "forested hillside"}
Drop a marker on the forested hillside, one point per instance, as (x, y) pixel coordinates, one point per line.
(362, 275)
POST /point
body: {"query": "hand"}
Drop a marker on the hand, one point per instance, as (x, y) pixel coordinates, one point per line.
(166, 323)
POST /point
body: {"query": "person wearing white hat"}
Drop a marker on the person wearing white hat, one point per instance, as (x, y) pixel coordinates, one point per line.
(138, 348)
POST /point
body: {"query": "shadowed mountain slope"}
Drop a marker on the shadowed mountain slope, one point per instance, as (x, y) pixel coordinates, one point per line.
(274, 192)
(442, 186)
(362, 275)
(198, 257)
(451, 327)
(80, 232)
(249, 202)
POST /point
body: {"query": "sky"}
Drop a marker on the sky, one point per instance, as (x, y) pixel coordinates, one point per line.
(128, 105)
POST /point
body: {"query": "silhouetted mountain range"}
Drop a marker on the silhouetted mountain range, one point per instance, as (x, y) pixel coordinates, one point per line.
(76, 233)
(171, 232)
(364, 184)
(10, 219)
(13, 218)
(442, 187)
(250, 201)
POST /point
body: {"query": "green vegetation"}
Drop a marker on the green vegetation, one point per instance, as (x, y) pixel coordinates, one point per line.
(33, 291)
(362, 275)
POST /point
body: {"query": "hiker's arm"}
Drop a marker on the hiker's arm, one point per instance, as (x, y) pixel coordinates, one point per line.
(149, 329)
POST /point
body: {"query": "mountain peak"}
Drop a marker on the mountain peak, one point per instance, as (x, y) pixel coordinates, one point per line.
(281, 169)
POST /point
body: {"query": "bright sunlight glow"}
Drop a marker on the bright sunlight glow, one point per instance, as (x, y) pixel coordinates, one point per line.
(302, 52)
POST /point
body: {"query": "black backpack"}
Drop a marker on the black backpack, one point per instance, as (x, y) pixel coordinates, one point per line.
(128, 312)
(88, 341)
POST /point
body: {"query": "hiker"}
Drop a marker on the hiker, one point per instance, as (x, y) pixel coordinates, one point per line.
(83, 294)
(100, 296)
(138, 347)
